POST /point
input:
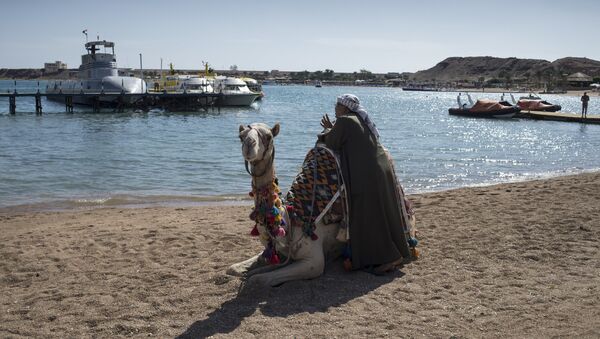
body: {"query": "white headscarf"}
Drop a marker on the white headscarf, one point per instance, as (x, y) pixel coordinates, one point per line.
(351, 101)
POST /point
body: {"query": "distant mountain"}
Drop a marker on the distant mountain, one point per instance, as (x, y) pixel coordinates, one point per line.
(573, 65)
(472, 68)
(34, 73)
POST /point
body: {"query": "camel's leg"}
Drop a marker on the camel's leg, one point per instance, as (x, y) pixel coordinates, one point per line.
(306, 268)
(243, 268)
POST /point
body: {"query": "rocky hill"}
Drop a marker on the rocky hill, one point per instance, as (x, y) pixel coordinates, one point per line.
(473, 68)
(572, 65)
(35, 73)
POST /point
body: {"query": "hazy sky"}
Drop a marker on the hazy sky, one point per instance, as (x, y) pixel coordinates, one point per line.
(346, 36)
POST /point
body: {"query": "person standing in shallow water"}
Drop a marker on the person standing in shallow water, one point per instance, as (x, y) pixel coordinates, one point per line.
(584, 104)
(377, 237)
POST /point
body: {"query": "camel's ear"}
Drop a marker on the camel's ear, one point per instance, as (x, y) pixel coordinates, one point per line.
(275, 130)
(242, 128)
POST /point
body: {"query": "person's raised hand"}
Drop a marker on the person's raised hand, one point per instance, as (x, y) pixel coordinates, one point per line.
(325, 122)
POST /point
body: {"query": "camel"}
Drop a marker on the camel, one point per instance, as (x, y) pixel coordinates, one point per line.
(291, 252)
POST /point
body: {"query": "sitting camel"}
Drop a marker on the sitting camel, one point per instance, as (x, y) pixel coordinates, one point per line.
(292, 250)
(312, 225)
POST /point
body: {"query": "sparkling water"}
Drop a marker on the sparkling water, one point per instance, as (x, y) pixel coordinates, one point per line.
(61, 160)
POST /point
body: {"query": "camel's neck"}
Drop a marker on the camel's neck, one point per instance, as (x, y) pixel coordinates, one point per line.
(266, 167)
(268, 210)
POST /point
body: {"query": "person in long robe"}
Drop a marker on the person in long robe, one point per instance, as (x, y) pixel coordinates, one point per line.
(377, 239)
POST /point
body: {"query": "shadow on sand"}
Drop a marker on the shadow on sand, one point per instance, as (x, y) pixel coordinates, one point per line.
(332, 289)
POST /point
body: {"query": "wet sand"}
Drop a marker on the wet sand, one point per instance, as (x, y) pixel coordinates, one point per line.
(511, 260)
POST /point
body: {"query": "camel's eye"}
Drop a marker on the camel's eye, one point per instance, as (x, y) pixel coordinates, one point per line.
(268, 138)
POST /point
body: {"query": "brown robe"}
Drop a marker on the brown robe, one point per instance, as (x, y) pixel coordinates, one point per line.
(376, 220)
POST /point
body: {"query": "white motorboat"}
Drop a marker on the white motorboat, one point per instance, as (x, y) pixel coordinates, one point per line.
(254, 86)
(234, 91)
(98, 73)
(187, 84)
(195, 84)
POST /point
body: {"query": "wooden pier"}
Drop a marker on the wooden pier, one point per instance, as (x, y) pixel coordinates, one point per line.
(120, 101)
(559, 116)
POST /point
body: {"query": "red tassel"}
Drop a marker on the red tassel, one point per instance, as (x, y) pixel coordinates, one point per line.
(254, 232)
(275, 259)
(251, 194)
(314, 236)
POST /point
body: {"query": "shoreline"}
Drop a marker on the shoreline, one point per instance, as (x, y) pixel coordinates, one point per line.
(509, 260)
(493, 90)
(569, 93)
(187, 201)
(126, 201)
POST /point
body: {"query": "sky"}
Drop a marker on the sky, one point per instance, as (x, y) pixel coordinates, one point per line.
(345, 36)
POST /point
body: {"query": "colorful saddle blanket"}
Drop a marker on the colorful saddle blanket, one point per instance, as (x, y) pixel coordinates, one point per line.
(314, 187)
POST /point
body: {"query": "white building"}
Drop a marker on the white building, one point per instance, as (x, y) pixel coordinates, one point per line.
(53, 67)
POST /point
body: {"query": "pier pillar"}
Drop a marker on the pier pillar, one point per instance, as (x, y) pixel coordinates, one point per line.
(69, 104)
(12, 103)
(38, 104)
(120, 103)
(96, 104)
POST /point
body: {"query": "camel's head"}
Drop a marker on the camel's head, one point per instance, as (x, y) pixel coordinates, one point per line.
(257, 141)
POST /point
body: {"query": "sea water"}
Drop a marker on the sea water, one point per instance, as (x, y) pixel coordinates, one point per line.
(64, 160)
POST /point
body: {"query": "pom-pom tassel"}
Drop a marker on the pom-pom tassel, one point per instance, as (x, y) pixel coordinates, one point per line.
(314, 236)
(347, 252)
(281, 232)
(347, 265)
(267, 253)
(274, 259)
(254, 232)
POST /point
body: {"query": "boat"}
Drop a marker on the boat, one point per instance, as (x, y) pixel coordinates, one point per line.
(485, 108)
(538, 105)
(254, 86)
(195, 84)
(531, 96)
(535, 103)
(97, 74)
(170, 83)
(319, 84)
(234, 91)
(187, 84)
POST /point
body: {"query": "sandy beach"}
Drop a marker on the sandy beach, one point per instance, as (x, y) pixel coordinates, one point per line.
(573, 93)
(513, 260)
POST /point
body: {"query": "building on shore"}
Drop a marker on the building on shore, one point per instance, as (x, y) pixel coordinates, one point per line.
(54, 67)
(579, 80)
